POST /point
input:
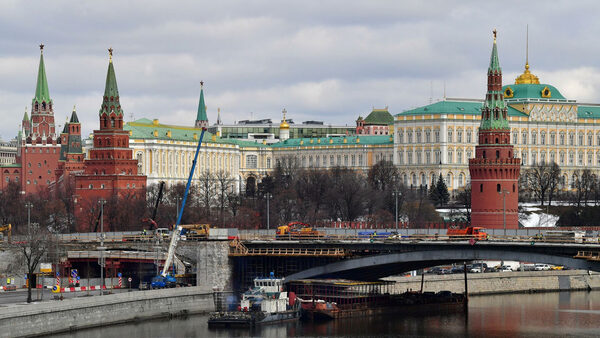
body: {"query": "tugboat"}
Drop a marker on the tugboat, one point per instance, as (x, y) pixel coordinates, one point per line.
(266, 302)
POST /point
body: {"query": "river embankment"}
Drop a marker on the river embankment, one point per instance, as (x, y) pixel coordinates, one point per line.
(28, 320)
(502, 282)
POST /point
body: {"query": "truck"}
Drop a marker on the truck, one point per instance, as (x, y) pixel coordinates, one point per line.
(477, 233)
(297, 230)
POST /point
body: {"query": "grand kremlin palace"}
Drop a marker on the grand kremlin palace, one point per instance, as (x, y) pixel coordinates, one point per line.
(165, 153)
(440, 138)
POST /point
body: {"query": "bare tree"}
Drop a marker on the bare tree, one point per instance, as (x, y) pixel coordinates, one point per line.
(206, 192)
(554, 181)
(32, 249)
(224, 187)
(464, 199)
(539, 180)
(382, 174)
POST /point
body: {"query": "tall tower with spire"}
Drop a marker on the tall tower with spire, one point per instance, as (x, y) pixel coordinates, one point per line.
(111, 171)
(38, 148)
(494, 170)
(201, 118)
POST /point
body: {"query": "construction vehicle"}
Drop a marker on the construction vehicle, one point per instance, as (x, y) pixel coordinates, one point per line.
(164, 279)
(195, 231)
(5, 229)
(297, 230)
(477, 233)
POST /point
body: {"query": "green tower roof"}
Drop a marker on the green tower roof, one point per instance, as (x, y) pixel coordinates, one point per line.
(25, 116)
(379, 117)
(42, 94)
(110, 100)
(494, 107)
(201, 106)
(74, 118)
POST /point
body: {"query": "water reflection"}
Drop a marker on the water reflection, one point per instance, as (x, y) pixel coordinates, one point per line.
(524, 315)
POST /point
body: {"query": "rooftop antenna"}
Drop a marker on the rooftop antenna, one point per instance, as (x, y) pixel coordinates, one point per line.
(444, 90)
(527, 48)
(430, 91)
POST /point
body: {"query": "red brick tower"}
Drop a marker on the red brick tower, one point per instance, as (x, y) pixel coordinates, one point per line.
(71, 153)
(110, 170)
(38, 149)
(494, 170)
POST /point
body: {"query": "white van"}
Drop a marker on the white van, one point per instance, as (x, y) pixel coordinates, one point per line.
(542, 267)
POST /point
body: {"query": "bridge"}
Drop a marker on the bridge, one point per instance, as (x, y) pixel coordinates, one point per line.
(370, 259)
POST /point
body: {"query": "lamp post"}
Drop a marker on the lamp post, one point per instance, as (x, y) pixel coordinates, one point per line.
(29, 205)
(101, 248)
(396, 194)
(268, 197)
(177, 199)
(504, 193)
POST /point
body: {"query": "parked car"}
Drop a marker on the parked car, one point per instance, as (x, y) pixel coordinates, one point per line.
(457, 269)
(505, 268)
(557, 267)
(444, 272)
(475, 269)
(542, 267)
(478, 267)
(490, 269)
(435, 270)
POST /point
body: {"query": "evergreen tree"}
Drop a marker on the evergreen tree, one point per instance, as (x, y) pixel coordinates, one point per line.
(438, 193)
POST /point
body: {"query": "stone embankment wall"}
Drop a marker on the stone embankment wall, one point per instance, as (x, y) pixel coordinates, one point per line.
(213, 266)
(77, 313)
(502, 282)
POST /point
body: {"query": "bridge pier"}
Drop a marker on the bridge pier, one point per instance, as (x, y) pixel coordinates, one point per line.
(213, 266)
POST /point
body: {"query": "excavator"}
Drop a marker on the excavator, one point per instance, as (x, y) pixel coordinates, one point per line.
(195, 231)
(5, 229)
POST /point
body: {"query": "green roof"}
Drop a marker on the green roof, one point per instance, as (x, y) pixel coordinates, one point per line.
(532, 91)
(379, 117)
(74, 118)
(494, 61)
(42, 94)
(588, 112)
(110, 101)
(25, 117)
(201, 107)
(454, 107)
(335, 141)
(145, 129)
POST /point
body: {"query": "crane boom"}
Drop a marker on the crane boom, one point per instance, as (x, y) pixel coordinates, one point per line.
(177, 228)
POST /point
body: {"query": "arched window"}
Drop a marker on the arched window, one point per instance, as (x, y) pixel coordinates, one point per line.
(112, 122)
(498, 187)
(497, 154)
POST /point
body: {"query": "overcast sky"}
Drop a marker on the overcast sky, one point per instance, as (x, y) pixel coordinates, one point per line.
(321, 60)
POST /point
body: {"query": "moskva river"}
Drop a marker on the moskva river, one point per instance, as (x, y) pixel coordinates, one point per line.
(521, 315)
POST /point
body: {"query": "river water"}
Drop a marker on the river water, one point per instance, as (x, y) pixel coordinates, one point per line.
(556, 314)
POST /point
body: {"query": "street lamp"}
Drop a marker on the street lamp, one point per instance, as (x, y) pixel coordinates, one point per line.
(268, 196)
(177, 199)
(102, 262)
(28, 205)
(504, 193)
(396, 193)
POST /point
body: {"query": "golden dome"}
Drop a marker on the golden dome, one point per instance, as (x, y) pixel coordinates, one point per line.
(284, 124)
(527, 77)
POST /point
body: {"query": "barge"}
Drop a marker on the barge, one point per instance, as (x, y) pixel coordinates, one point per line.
(338, 298)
